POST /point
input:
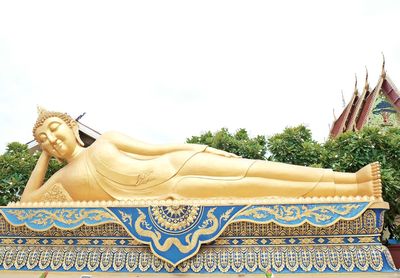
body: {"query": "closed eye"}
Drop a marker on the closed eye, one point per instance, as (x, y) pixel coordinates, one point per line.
(54, 125)
(42, 137)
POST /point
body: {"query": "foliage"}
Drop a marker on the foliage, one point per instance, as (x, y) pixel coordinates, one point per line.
(16, 165)
(352, 150)
(295, 146)
(238, 143)
(347, 153)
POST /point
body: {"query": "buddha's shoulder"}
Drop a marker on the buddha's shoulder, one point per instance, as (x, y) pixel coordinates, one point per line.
(101, 148)
(104, 140)
(110, 135)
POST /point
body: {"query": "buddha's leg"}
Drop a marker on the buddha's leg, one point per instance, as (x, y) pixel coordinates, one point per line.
(204, 164)
(365, 182)
(247, 187)
(207, 175)
(369, 180)
(289, 172)
(325, 180)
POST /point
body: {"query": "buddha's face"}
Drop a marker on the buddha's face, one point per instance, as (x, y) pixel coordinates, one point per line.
(56, 138)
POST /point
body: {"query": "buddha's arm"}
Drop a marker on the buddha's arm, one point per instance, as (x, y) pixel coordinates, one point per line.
(128, 144)
(51, 190)
(37, 177)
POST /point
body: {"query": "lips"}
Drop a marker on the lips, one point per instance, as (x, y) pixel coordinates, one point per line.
(58, 146)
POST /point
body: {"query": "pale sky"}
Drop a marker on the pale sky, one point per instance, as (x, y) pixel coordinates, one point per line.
(162, 71)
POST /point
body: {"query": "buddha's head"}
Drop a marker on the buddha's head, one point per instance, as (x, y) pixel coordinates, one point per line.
(57, 133)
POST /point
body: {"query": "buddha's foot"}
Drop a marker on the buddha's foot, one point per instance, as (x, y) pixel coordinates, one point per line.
(369, 180)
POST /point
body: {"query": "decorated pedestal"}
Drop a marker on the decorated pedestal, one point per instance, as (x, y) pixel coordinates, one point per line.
(221, 236)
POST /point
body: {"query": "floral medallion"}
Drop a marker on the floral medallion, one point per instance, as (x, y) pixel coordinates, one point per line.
(175, 219)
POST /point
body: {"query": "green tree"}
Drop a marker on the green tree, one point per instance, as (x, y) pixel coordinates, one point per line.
(238, 143)
(352, 150)
(16, 165)
(347, 153)
(295, 146)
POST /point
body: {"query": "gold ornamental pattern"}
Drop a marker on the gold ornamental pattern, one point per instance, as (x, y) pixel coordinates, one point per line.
(293, 213)
(46, 218)
(365, 224)
(209, 226)
(208, 260)
(175, 218)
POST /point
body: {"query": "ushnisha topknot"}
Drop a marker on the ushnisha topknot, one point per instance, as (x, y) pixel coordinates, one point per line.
(44, 114)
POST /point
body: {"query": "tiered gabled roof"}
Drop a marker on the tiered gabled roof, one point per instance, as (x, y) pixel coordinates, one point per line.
(352, 123)
(341, 124)
(358, 111)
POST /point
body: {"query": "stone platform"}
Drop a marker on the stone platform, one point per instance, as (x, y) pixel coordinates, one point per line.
(309, 236)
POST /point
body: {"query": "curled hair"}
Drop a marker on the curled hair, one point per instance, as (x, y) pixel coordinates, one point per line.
(43, 115)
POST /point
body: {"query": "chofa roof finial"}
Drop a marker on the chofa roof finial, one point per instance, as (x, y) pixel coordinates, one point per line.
(383, 73)
(366, 78)
(355, 85)
(343, 101)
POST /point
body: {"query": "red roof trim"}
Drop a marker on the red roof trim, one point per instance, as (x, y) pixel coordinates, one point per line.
(353, 113)
(340, 124)
(335, 131)
(391, 92)
(356, 113)
(365, 110)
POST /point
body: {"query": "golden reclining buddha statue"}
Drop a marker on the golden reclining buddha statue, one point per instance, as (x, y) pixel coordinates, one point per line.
(117, 167)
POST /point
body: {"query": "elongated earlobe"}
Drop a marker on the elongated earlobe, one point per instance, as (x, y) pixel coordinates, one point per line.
(78, 139)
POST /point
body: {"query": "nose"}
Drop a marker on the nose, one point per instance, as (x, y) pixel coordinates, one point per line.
(50, 136)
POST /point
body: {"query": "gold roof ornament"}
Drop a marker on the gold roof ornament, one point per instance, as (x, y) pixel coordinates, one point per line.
(343, 101)
(383, 71)
(366, 86)
(355, 85)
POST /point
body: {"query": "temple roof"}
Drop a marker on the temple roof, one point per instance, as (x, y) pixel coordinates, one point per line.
(356, 113)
